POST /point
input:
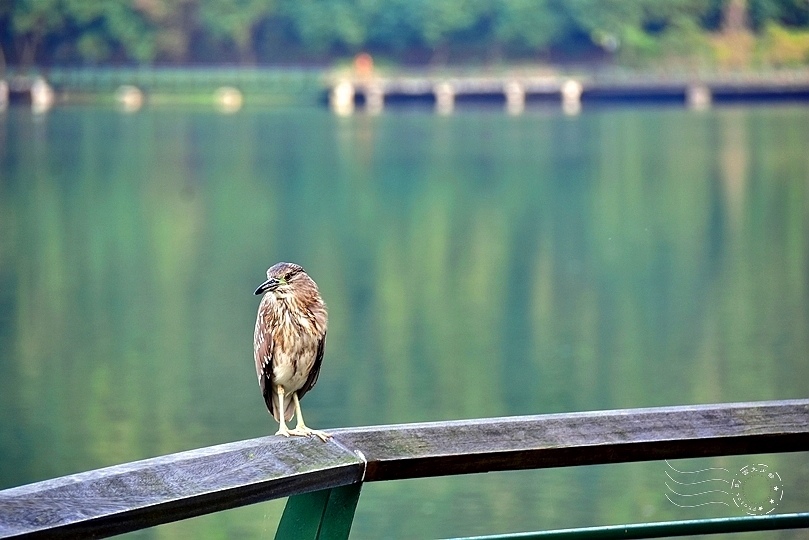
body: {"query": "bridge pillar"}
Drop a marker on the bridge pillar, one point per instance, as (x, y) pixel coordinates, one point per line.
(41, 95)
(444, 97)
(3, 94)
(698, 97)
(129, 97)
(515, 97)
(228, 99)
(341, 98)
(374, 98)
(571, 96)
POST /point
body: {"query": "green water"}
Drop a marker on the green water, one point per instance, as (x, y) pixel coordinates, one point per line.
(474, 265)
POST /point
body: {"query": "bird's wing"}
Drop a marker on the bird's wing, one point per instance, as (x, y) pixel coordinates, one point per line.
(315, 371)
(263, 355)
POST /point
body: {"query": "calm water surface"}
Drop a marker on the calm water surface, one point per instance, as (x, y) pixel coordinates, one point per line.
(474, 265)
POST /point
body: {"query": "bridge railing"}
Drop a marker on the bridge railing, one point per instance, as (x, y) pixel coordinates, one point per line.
(323, 480)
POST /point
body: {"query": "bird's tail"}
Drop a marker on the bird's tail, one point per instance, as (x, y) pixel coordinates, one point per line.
(272, 404)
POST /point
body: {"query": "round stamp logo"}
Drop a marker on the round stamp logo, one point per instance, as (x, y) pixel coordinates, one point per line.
(756, 489)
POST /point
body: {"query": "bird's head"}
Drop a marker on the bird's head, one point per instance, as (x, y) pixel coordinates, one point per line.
(283, 279)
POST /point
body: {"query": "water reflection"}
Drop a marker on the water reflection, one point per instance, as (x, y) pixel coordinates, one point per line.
(474, 265)
(734, 165)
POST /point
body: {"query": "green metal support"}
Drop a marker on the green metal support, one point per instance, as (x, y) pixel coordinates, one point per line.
(320, 515)
(770, 522)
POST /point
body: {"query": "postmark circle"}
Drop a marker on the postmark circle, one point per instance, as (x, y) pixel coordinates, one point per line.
(757, 490)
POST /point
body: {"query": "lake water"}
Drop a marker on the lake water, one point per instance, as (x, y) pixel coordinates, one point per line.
(475, 265)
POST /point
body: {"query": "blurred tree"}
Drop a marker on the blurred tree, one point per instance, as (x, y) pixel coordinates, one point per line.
(437, 31)
(734, 16)
(112, 29)
(785, 12)
(328, 24)
(233, 22)
(613, 24)
(794, 13)
(527, 24)
(31, 22)
(438, 20)
(393, 25)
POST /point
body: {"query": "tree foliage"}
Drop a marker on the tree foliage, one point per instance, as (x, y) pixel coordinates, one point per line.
(262, 31)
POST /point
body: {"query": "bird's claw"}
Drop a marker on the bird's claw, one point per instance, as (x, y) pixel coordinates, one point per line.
(303, 431)
(322, 435)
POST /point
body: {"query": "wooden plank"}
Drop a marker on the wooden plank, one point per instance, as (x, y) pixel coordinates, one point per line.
(159, 490)
(560, 440)
(169, 488)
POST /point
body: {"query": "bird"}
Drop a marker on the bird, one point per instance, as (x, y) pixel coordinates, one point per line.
(288, 344)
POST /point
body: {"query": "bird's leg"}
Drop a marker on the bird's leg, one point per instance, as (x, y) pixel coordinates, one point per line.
(282, 425)
(301, 428)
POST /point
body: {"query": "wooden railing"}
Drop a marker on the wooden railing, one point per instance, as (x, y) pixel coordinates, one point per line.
(324, 480)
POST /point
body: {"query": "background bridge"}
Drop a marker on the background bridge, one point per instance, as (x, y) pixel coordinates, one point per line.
(695, 90)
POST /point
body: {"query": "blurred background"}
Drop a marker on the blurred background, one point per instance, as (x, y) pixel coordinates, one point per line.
(631, 253)
(414, 32)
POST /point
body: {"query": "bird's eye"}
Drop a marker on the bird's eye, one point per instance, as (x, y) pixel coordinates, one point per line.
(287, 276)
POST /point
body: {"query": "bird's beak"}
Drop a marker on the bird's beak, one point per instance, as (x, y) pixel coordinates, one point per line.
(269, 285)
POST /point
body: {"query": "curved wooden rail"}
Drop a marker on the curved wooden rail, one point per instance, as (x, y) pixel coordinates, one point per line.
(177, 486)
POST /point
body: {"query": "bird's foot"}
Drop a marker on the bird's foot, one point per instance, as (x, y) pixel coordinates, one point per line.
(303, 431)
(283, 431)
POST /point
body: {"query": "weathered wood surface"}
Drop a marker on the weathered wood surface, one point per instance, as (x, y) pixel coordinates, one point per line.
(177, 486)
(560, 440)
(168, 488)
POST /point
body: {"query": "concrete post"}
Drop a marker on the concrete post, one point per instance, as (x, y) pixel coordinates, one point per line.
(341, 98)
(515, 97)
(444, 98)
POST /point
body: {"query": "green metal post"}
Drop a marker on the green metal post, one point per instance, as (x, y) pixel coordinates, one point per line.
(320, 515)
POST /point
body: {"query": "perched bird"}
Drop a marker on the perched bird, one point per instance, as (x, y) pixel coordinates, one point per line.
(288, 343)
